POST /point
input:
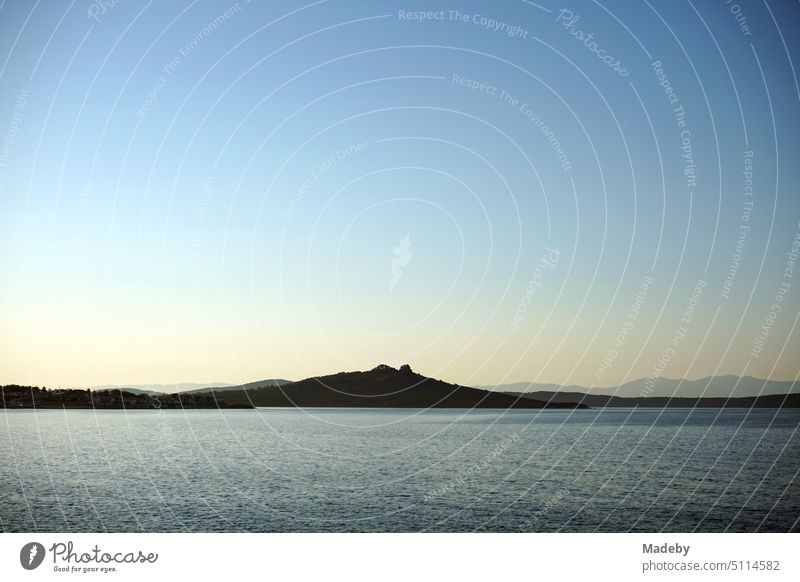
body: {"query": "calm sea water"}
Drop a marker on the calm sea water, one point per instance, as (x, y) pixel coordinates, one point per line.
(399, 470)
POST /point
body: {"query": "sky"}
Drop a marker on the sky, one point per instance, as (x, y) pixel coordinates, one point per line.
(582, 194)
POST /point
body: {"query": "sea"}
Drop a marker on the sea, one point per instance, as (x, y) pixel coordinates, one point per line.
(400, 470)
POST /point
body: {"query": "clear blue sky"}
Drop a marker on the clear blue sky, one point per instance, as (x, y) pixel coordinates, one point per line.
(203, 191)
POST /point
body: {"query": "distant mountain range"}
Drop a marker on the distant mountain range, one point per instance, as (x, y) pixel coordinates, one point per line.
(137, 391)
(605, 401)
(711, 387)
(156, 388)
(381, 387)
(249, 386)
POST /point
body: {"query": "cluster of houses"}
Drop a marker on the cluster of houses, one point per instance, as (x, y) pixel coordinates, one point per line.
(34, 397)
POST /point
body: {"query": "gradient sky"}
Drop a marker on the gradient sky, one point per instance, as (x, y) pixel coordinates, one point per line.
(204, 191)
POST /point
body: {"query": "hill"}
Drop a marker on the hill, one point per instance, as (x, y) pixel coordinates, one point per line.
(381, 387)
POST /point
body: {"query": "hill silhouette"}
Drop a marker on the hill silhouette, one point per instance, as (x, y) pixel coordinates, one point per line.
(381, 387)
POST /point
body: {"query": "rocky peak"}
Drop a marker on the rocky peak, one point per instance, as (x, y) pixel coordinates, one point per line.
(384, 367)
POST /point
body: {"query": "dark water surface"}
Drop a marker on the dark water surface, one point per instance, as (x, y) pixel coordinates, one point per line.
(399, 470)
